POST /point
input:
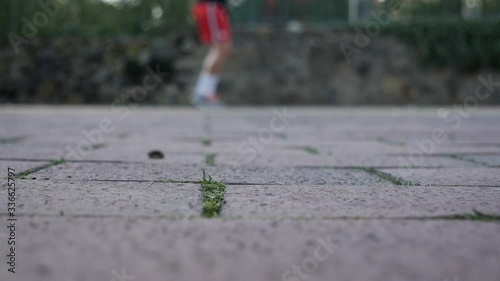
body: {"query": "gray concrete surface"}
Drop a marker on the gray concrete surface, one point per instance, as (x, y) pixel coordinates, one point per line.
(113, 210)
(185, 250)
(45, 197)
(484, 176)
(353, 201)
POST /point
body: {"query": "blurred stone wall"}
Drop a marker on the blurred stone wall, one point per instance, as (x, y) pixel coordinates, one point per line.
(267, 67)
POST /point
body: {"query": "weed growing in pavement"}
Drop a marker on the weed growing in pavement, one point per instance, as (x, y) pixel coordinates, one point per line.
(213, 196)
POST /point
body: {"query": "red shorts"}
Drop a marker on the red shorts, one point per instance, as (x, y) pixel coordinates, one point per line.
(213, 23)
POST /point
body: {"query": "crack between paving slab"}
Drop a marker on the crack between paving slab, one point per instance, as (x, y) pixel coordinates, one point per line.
(22, 175)
(100, 216)
(96, 161)
(461, 158)
(475, 216)
(156, 181)
(309, 149)
(444, 154)
(368, 167)
(298, 167)
(391, 142)
(463, 185)
(74, 161)
(213, 196)
(234, 183)
(210, 159)
(389, 177)
(206, 124)
(214, 138)
(24, 160)
(476, 144)
(12, 140)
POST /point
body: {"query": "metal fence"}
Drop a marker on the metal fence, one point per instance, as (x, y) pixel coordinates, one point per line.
(97, 17)
(353, 11)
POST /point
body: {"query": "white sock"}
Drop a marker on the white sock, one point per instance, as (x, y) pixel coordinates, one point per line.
(206, 85)
(213, 81)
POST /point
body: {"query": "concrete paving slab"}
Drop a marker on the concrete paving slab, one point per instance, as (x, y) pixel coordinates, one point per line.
(294, 176)
(140, 153)
(228, 174)
(42, 197)
(450, 176)
(461, 143)
(26, 151)
(293, 201)
(302, 158)
(135, 171)
(491, 160)
(19, 166)
(153, 249)
(360, 147)
(444, 149)
(111, 224)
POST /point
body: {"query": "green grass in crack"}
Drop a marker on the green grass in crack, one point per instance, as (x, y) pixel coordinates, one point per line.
(281, 136)
(477, 216)
(470, 160)
(165, 180)
(11, 140)
(23, 175)
(389, 177)
(391, 142)
(206, 125)
(206, 142)
(123, 136)
(98, 145)
(213, 196)
(210, 159)
(311, 150)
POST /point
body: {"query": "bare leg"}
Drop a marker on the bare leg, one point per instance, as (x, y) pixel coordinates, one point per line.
(216, 58)
(212, 67)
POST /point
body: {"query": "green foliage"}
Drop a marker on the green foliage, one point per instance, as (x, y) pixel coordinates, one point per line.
(165, 180)
(210, 159)
(429, 9)
(96, 18)
(476, 216)
(390, 178)
(391, 142)
(464, 45)
(434, 28)
(491, 7)
(24, 174)
(11, 140)
(98, 146)
(4, 17)
(213, 196)
(257, 11)
(311, 150)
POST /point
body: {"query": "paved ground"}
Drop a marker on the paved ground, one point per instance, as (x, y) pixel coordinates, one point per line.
(325, 194)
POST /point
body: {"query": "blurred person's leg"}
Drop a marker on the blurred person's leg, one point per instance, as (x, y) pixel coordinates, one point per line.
(214, 29)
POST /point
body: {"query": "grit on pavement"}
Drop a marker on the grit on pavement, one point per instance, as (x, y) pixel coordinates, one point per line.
(311, 194)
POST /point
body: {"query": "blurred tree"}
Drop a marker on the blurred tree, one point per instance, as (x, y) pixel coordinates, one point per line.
(96, 17)
(158, 17)
(427, 9)
(491, 7)
(282, 11)
(5, 9)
